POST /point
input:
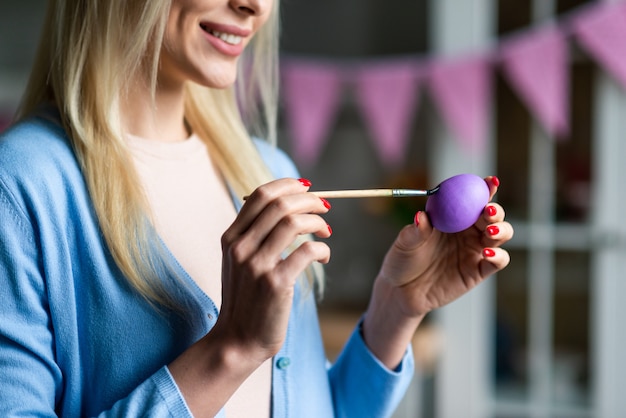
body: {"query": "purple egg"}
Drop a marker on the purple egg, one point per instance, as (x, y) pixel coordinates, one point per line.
(458, 203)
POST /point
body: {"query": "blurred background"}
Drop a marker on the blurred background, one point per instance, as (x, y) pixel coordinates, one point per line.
(405, 93)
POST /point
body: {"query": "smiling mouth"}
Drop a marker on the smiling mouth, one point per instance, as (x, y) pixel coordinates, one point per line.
(226, 37)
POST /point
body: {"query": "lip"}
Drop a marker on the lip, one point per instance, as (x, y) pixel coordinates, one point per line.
(220, 45)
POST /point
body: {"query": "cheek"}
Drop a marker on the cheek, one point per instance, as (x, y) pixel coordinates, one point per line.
(266, 17)
(180, 30)
(178, 46)
(170, 55)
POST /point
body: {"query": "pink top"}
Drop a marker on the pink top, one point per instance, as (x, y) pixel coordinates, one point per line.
(192, 208)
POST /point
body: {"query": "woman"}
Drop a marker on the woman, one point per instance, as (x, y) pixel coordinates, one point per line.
(123, 231)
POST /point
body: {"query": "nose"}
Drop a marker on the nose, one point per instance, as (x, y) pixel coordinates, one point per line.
(251, 7)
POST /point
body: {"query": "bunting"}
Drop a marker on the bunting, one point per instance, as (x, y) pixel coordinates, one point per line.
(602, 32)
(388, 98)
(387, 91)
(462, 90)
(537, 65)
(311, 98)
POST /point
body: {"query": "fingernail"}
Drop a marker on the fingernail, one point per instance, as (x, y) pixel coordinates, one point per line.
(491, 210)
(305, 182)
(496, 181)
(488, 252)
(326, 203)
(329, 229)
(416, 219)
(493, 230)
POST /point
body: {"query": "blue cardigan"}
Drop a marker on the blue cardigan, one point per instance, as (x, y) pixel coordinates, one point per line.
(76, 340)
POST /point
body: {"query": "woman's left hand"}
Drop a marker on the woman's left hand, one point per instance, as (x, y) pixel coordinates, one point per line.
(426, 269)
(432, 268)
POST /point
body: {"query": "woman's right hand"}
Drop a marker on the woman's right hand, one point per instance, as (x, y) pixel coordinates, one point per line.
(258, 283)
(257, 279)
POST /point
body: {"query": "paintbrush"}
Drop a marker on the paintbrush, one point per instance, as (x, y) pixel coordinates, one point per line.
(360, 193)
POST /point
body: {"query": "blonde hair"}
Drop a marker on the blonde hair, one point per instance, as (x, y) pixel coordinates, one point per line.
(86, 52)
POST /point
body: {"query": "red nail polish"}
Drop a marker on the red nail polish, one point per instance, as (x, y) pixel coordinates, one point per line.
(488, 252)
(305, 182)
(496, 181)
(416, 219)
(493, 230)
(329, 229)
(491, 210)
(326, 203)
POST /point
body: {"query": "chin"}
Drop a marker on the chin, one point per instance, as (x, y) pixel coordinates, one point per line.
(220, 85)
(217, 79)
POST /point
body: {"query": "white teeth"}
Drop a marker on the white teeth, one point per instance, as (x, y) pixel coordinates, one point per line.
(228, 38)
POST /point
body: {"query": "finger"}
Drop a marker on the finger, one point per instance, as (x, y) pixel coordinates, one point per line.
(414, 235)
(494, 260)
(261, 197)
(492, 213)
(308, 252)
(286, 232)
(256, 230)
(284, 210)
(497, 234)
(493, 182)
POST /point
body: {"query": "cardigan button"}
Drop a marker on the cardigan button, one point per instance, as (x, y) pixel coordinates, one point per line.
(283, 362)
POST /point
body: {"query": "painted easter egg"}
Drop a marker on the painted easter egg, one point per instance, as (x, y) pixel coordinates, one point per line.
(458, 203)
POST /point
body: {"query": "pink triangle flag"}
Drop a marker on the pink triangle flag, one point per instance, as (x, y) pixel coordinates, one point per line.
(461, 89)
(601, 30)
(387, 95)
(311, 93)
(536, 65)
